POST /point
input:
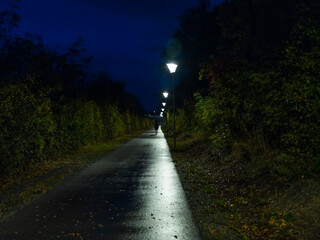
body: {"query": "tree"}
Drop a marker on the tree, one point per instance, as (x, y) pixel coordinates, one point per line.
(293, 112)
(9, 20)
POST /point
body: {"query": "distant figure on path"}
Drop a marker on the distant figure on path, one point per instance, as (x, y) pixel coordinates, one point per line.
(156, 126)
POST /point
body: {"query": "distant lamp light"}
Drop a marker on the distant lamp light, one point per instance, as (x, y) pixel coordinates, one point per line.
(164, 104)
(161, 114)
(165, 94)
(162, 109)
(172, 67)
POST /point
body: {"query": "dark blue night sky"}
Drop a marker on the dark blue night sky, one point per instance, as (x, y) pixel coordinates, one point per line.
(125, 37)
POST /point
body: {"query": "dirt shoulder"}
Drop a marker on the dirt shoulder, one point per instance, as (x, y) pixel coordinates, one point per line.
(234, 199)
(18, 190)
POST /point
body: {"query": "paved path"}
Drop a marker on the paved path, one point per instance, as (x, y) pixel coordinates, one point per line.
(132, 193)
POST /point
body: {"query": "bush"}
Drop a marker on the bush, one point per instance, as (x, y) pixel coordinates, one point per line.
(113, 125)
(27, 127)
(79, 123)
(210, 120)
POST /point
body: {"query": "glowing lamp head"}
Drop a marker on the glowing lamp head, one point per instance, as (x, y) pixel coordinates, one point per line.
(172, 67)
(162, 109)
(163, 104)
(165, 94)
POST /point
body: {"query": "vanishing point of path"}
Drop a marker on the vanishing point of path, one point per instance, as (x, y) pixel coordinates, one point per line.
(132, 193)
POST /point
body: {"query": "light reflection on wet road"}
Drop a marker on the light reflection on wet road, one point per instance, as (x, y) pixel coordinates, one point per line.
(132, 193)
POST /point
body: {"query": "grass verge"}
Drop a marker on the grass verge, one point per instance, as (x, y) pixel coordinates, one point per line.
(238, 197)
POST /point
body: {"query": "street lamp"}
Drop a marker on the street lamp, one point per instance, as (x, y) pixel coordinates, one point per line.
(165, 94)
(164, 104)
(172, 68)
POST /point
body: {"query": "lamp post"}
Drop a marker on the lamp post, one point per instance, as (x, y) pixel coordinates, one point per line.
(172, 68)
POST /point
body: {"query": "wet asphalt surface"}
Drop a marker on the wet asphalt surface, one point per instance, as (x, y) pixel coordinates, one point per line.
(132, 193)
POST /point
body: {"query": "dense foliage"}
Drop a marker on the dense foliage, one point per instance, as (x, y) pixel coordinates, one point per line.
(50, 104)
(254, 70)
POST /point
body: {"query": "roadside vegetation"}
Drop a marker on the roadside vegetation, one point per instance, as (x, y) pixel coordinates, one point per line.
(51, 104)
(248, 117)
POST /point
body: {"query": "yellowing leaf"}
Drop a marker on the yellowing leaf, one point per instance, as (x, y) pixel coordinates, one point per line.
(272, 221)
